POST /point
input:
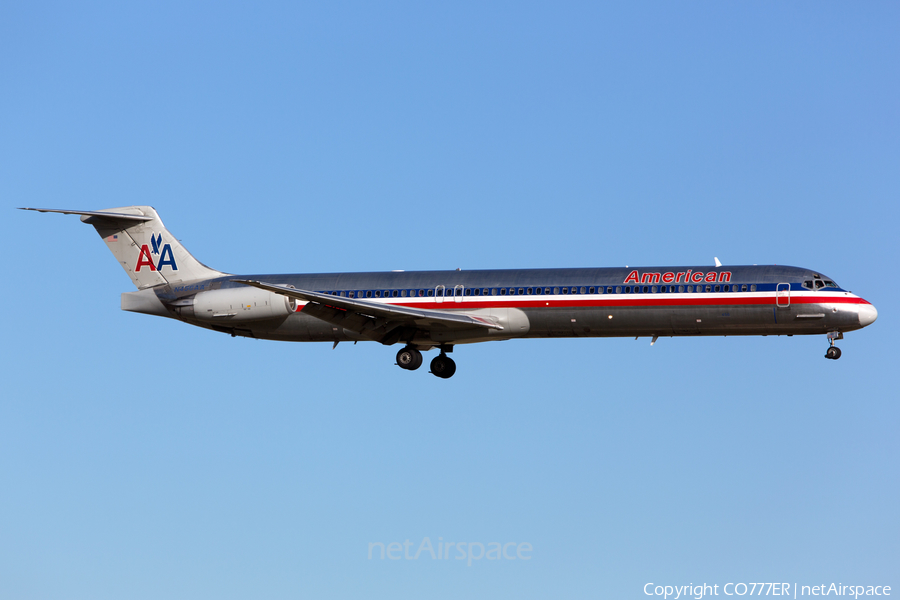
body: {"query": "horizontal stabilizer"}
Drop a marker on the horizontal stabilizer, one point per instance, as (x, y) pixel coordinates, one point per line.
(95, 213)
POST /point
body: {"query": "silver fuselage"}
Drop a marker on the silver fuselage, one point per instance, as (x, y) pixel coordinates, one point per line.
(540, 303)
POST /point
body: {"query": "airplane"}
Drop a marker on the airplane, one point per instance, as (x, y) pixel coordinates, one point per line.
(426, 310)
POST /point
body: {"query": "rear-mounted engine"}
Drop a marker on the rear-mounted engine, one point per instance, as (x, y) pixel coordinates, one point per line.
(235, 304)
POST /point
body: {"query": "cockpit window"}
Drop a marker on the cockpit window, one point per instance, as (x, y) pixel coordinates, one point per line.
(819, 284)
(808, 284)
(830, 284)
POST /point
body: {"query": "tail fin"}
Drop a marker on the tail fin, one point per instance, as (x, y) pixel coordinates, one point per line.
(142, 245)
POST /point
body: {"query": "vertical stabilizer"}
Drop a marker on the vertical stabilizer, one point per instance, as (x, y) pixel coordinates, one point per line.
(143, 246)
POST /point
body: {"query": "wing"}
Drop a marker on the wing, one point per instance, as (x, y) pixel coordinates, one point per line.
(385, 323)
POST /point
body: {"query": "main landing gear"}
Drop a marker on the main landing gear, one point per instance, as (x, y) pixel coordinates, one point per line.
(833, 351)
(442, 366)
(409, 358)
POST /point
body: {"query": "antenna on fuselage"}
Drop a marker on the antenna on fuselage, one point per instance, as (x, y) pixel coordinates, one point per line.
(718, 264)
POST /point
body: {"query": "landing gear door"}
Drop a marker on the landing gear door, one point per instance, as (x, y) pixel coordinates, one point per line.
(783, 295)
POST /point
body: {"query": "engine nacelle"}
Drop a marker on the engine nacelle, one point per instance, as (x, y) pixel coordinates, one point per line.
(237, 304)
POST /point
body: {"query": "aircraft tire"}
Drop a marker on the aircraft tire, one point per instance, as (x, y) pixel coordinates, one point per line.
(443, 366)
(409, 359)
(833, 353)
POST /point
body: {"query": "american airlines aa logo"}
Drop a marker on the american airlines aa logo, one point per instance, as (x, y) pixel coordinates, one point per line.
(163, 251)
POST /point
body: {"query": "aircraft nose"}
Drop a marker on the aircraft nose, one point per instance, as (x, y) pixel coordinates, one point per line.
(867, 314)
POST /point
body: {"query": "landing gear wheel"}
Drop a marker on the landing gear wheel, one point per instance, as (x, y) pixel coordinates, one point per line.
(833, 353)
(409, 358)
(443, 366)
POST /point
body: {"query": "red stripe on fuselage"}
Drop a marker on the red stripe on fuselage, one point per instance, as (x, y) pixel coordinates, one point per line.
(625, 302)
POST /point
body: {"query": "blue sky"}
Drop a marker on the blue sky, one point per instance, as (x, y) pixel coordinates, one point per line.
(142, 458)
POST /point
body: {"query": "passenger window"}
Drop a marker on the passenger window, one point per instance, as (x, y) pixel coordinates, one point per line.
(681, 288)
(583, 290)
(717, 288)
(752, 287)
(653, 289)
(430, 293)
(744, 288)
(529, 291)
(708, 289)
(521, 291)
(565, 290)
(556, 290)
(502, 291)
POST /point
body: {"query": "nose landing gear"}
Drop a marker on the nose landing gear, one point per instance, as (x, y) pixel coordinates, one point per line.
(833, 351)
